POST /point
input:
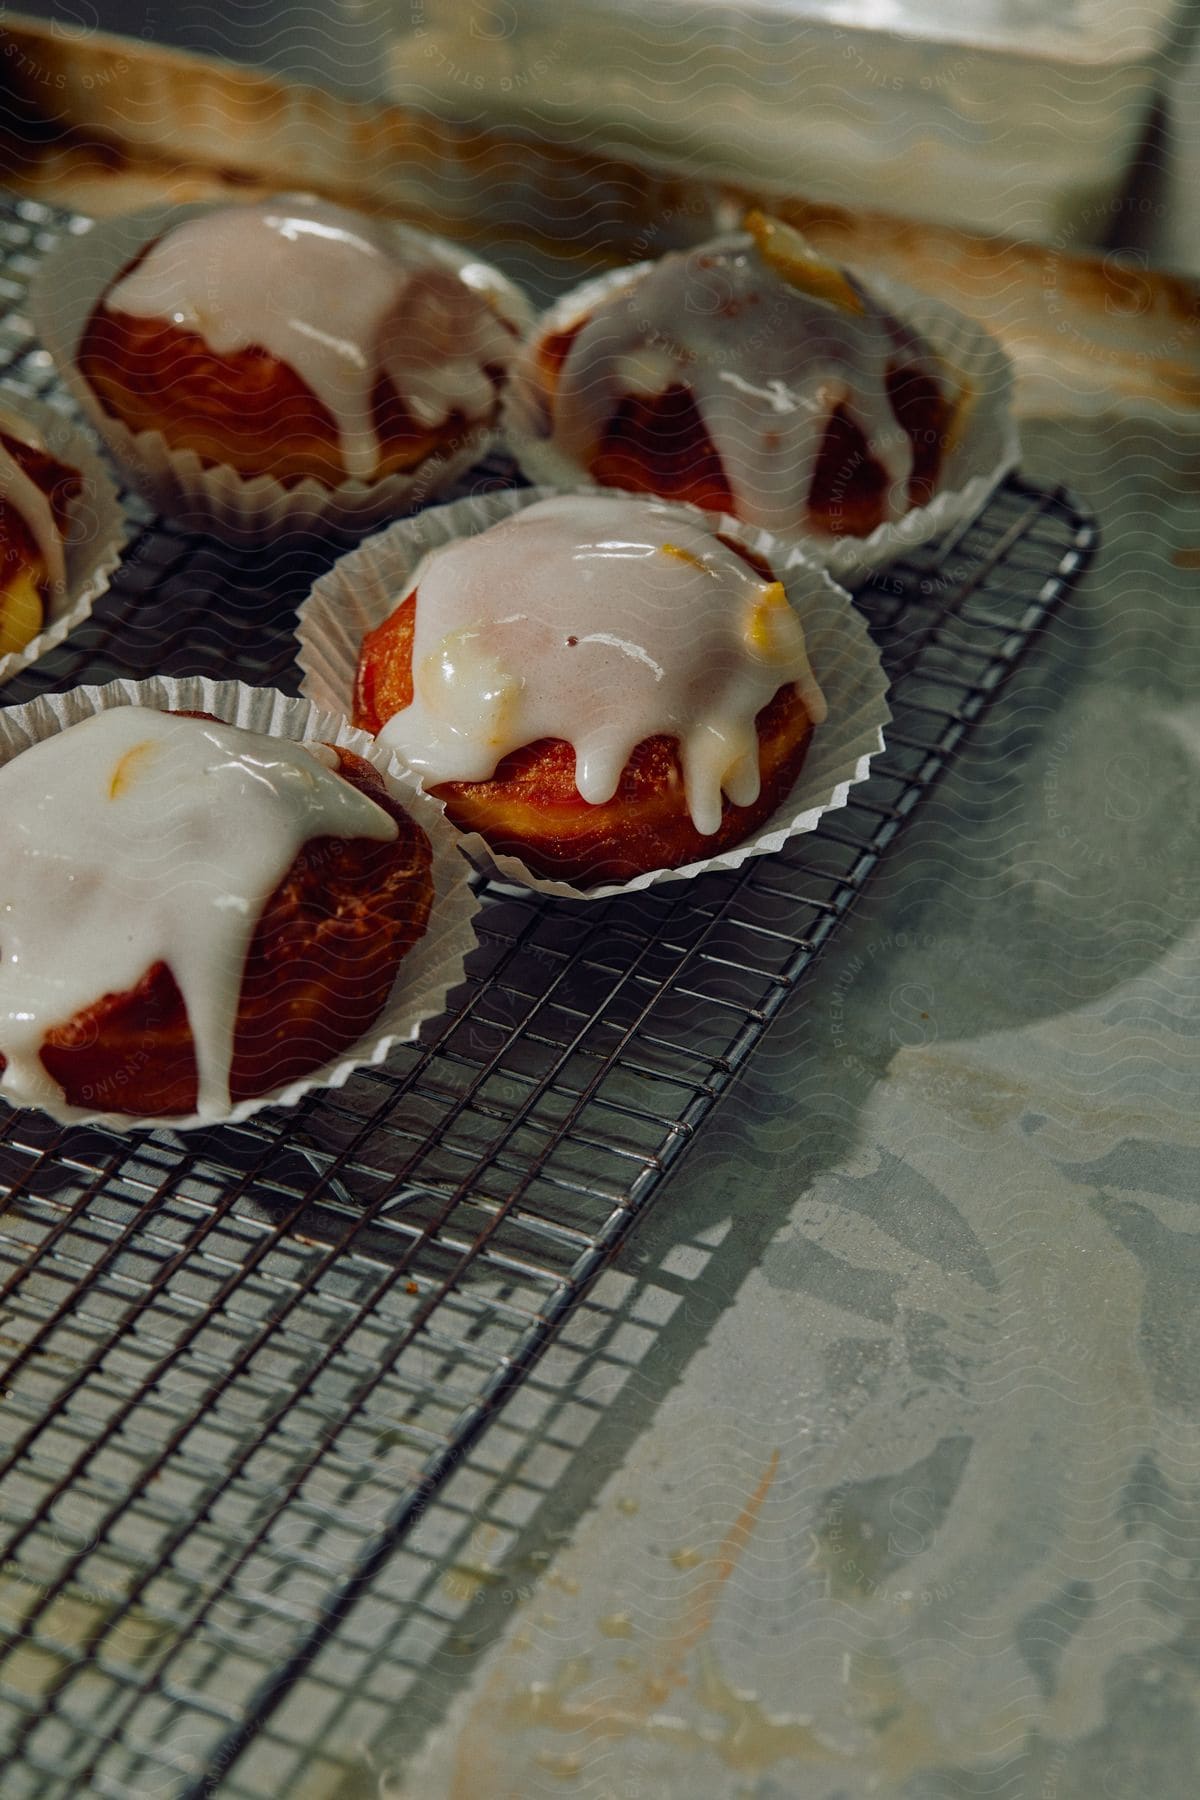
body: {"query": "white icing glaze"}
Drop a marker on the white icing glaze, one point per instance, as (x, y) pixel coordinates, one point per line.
(766, 365)
(602, 622)
(137, 837)
(26, 497)
(332, 295)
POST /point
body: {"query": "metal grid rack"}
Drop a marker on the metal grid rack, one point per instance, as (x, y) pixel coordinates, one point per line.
(240, 1365)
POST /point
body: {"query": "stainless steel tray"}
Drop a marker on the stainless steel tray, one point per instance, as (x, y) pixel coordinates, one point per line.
(240, 1366)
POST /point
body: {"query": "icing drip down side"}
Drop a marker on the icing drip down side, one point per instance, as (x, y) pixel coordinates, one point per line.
(26, 497)
(765, 363)
(137, 837)
(337, 298)
(600, 622)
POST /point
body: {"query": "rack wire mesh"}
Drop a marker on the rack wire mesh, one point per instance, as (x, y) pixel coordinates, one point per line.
(240, 1366)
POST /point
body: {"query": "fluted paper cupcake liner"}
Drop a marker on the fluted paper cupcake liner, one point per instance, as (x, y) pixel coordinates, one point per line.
(363, 587)
(984, 450)
(245, 510)
(426, 974)
(95, 536)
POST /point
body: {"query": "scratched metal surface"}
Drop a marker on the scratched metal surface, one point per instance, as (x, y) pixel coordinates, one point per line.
(903, 1499)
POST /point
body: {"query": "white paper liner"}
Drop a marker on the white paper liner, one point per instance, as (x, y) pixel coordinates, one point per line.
(431, 968)
(95, 537)
(247, 511)
(982, 453)
(361, 590)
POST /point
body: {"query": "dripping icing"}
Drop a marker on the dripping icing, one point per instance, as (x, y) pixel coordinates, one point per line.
(138, 837)
(765, 363)
(603, 622)
(27, 498)
(337, 298)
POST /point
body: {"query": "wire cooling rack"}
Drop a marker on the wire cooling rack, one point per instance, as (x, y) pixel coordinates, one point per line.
(240, 1365)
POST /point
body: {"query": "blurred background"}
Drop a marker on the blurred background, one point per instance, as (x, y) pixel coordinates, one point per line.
(1070, 122)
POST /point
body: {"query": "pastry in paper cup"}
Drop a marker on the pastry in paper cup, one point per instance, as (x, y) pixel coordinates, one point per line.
(696, 654)
(280, 366)
(62, 530)
(753, 376)
(205, 921)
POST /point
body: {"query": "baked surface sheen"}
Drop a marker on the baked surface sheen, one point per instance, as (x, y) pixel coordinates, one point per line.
(298, 339)
(658, 443)
(531, 808)
(247, 410)
(24, 578)
(318, 972)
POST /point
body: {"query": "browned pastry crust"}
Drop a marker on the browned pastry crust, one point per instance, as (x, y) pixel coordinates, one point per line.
(531, 808)
(19, 553)
(246, 410)
(318, 972)
(658, 444)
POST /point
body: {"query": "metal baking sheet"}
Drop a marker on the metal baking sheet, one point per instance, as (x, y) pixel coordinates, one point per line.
(240, 1366)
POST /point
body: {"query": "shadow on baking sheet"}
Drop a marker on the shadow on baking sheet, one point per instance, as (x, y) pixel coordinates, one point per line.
(236, 1359)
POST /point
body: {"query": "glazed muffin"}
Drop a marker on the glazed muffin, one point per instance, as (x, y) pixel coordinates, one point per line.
(598, 685)
(299, 340)
(194, 914)
(748, 376)
(36, 495)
